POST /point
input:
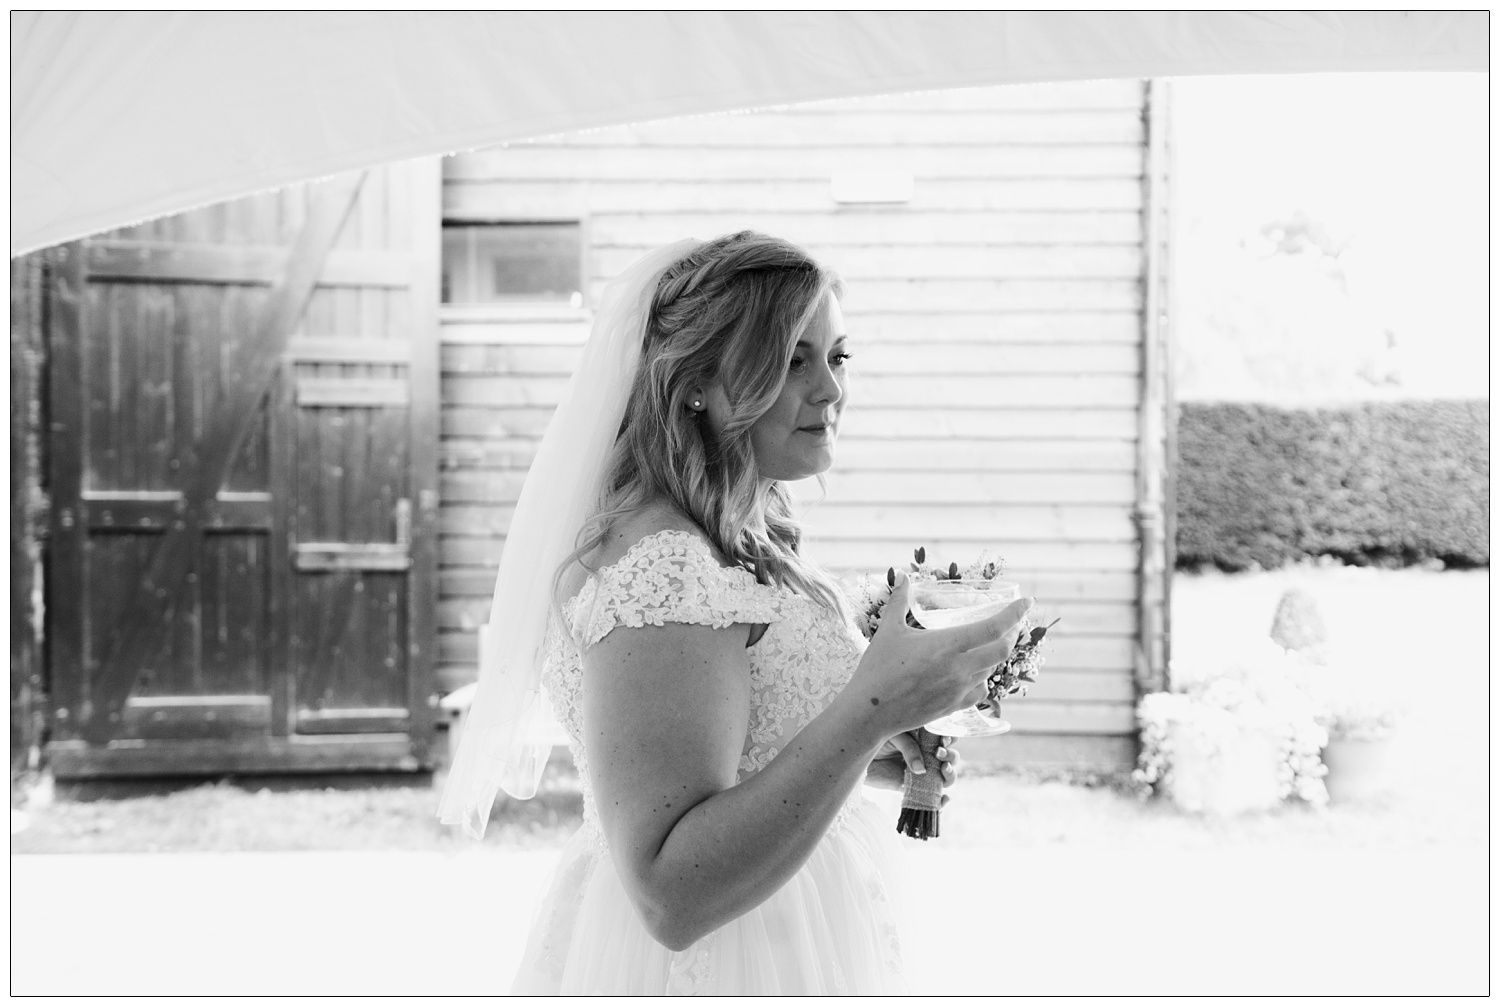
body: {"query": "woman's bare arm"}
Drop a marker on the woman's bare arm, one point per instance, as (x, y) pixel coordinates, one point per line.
(665, 711)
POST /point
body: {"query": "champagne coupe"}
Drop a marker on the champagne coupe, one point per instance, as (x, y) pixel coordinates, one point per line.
(939, 604)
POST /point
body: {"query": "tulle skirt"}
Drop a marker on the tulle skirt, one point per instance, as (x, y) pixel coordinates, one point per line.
(833, 928)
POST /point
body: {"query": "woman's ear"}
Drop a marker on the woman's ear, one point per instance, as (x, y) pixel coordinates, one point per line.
(711, 405)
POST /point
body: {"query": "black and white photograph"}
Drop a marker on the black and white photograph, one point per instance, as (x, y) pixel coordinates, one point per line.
(749, 503)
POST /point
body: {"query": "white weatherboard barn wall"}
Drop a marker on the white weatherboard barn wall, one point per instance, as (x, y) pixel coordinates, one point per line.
(999, 325)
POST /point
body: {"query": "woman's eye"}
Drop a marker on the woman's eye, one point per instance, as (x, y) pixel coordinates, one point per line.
(838, 360)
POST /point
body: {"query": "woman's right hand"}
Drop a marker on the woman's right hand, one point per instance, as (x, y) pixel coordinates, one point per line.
(910, 676)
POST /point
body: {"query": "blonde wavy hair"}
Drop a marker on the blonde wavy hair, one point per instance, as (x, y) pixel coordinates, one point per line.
(729, 313)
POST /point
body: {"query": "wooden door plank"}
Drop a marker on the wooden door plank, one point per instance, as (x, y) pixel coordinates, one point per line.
(367, 514)
(354, 720)
(195, 717)
(116, 511)
(251, 469)
(350, 556)
(218, 756)
(423, 195)
(353, 468)
(69, 662)
(122, 412)
(153, 609)
(280, 610)
(325, 613)
(176, 316)
(376, 460)
(27, 353)
(236, 569)
(239, 264)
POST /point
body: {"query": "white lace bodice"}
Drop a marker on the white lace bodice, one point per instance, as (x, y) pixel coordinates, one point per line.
(806, 655)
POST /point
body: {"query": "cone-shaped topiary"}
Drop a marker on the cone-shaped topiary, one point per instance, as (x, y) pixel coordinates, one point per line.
(1298, 625)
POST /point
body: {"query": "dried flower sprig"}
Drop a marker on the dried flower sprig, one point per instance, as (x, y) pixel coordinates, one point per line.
(921, 794)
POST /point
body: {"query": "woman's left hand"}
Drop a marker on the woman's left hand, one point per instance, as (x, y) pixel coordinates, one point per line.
(888, 769)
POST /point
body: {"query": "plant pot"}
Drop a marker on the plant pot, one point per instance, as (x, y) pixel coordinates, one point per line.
(1358, 768)
(1226, 772)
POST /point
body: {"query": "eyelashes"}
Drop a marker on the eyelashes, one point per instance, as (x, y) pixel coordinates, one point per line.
(838, 362)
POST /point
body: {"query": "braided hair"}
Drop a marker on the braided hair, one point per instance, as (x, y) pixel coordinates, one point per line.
(730, 314)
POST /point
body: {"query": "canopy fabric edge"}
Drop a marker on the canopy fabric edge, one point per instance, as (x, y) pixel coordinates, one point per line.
(50, 207)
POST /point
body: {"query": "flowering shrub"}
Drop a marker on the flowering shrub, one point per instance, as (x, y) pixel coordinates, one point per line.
(1155, 712)
(1261, 692)
(1353, 707)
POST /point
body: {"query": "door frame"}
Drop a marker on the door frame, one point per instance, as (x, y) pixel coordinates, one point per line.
(83, 747)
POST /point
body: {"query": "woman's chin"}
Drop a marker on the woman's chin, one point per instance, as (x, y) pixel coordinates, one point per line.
(790, 470)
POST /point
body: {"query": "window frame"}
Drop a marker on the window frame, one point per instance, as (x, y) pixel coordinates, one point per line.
(521, 310)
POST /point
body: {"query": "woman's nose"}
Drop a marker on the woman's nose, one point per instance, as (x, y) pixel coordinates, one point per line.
(829, 389)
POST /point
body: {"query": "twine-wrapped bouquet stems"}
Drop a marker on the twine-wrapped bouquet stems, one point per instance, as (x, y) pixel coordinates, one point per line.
(921, 794)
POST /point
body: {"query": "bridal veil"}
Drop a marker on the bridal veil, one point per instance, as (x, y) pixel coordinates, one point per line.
(505, 743)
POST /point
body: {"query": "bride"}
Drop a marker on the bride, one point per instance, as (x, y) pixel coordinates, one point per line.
(720, 706)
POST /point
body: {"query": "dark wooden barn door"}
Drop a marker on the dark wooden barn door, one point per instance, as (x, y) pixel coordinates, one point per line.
(244, 473)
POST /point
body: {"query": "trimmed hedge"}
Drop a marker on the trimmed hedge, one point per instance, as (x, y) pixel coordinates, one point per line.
(1388, 483)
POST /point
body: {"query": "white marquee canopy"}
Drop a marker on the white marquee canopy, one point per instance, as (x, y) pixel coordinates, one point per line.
(118, 117)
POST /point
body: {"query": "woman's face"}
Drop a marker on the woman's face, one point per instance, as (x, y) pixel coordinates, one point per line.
(794, 439)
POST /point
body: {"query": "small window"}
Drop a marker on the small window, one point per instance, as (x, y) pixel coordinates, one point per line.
(489, 262)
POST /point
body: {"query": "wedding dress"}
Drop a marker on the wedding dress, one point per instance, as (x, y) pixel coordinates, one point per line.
(832, 928)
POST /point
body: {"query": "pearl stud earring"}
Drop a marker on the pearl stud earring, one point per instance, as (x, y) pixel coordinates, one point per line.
(697, 404)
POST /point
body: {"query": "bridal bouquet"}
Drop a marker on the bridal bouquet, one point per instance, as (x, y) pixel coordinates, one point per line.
(922, 795)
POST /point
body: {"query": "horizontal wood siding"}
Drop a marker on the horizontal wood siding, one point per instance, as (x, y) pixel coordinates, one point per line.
(996, 322)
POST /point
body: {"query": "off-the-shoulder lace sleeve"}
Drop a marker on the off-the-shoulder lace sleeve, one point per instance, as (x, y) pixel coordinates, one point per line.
(669, 576)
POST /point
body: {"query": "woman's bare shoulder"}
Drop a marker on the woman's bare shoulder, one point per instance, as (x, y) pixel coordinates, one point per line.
(631, 528)
(628, 530)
